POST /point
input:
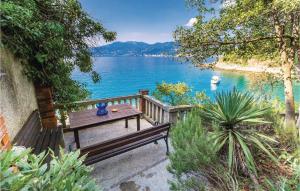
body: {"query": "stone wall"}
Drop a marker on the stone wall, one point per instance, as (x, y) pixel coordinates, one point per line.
(17, 93)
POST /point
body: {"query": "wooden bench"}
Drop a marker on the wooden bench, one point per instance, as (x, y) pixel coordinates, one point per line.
(40, 139)
(113, 147)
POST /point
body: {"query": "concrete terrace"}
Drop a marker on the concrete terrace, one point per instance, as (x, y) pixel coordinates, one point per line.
(142, 169)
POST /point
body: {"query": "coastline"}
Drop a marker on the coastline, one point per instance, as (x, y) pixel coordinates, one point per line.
(255, 68)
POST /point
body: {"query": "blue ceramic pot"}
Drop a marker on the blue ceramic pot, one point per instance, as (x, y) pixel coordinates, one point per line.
(101, 109)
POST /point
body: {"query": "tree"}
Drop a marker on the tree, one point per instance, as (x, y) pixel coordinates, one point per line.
(174, 94)
(52, 37)
(247, 28)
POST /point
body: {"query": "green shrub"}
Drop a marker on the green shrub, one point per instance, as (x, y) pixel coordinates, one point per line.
(235, 113)
(54, 38)
(21, 170)
(178, 94)
(195, 162)
(173, 94)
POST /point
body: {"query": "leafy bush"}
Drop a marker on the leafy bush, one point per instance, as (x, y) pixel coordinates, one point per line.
(21, 170)
(195, 161)
(174, 94)
(234, 112)
(178, 94)
(293, 181)
(220, 144)
(53, 37)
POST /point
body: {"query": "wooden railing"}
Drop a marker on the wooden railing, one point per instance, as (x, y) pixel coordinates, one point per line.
(153, 110)
(158, 112)
(178, 112)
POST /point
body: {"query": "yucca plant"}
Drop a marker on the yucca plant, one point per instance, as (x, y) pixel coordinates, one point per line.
(235, 115)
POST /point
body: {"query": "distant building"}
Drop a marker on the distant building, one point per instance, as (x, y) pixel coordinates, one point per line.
(227, 3)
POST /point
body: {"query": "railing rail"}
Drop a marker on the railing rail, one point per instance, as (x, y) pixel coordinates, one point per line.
(131, 99)
(155, 111)
(178, 112)
(158, 112)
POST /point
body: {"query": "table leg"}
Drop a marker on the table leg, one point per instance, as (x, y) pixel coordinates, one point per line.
(76, 136)
(138, 122)
(126, 123)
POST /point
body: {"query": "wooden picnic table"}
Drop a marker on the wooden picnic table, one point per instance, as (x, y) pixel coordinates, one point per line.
(88, 118)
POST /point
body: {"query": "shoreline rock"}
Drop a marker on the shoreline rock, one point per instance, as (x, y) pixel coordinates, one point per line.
(247, 68)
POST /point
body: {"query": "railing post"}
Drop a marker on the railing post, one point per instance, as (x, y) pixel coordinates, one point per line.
(173, 117)
(142, 100)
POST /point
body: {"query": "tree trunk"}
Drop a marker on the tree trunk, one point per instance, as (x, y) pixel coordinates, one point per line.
(287, 60)
(298, 123)
(289, 96)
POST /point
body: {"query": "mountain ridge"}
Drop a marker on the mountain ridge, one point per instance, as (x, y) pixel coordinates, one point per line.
(136, 48)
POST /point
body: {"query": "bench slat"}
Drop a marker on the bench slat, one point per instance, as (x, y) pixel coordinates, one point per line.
(38, 148)
(113, 147)
(115, 143)
(33, 135)
(31, 129)
(102, 156)
(159, 128)
(35, 132)
(55, 140)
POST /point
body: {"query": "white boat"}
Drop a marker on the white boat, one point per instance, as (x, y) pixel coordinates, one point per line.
(215, 80)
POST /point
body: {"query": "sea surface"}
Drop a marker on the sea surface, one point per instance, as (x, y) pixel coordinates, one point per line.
(122, 76)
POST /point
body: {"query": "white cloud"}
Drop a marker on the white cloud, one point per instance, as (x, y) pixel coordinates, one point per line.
(191, 22)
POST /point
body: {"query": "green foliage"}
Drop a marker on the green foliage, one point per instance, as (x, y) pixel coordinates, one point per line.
(282, 185)
(195, 161)
(220, 144)
(190, 132)
(286, 135)
(288, 183)
(178, 94)
(234, 112)
(21, 170)
(174, 94)
(232, 108)
(52, 37)
(243, 30)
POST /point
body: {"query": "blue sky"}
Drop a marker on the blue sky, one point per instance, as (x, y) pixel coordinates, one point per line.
(140, 20)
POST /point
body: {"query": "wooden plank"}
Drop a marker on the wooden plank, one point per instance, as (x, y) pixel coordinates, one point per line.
(46, 141)
(84, 119)
(59, 141)
(29, 131)
(126, 137)
(112, 145)
(41, 141)
(102, 156)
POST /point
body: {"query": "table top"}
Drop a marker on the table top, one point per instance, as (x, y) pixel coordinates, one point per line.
(88, 118)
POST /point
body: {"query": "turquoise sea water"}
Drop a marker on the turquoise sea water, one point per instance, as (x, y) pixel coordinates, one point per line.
(126, 75)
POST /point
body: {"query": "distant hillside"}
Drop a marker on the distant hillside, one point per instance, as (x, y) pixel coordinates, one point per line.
(132, 48)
